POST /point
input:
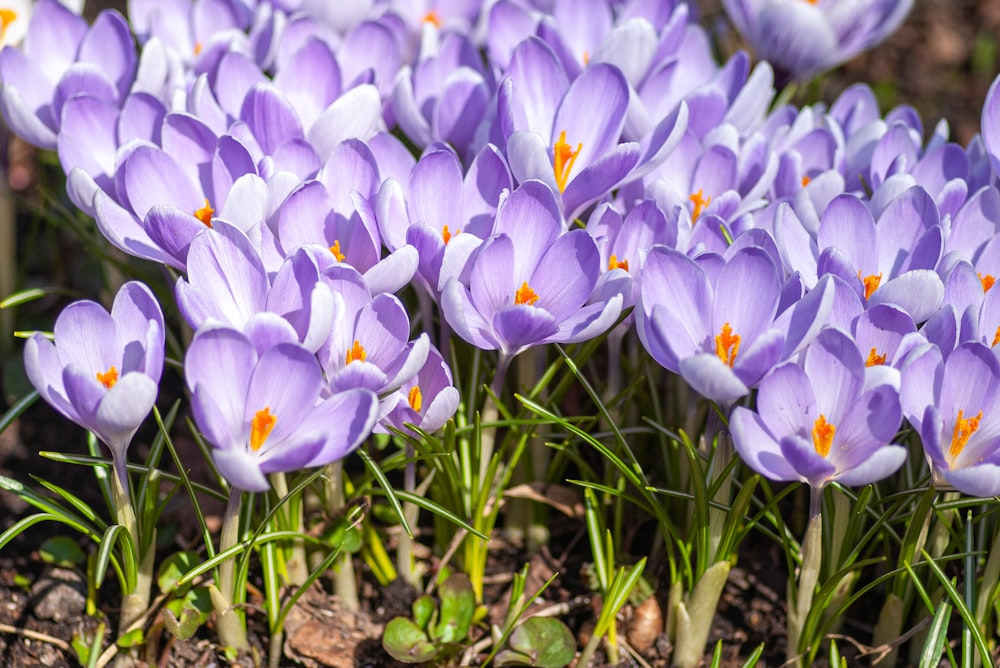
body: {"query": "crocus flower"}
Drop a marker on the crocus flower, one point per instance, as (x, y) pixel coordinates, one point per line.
(103, 370)
(952, 401)
(804, 37)
(529, 284)
(821, 422)
(263, 411)
(427, 400)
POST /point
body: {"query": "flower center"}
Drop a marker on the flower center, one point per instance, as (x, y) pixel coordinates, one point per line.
(872, 281)
(823, 435)
(357, 353)
(805, 180)
(964, 429)
(7, 16)
(525, 295)
(615, 263)
(447, 234)
(108, 378)
(988, 280)
(260, 427)
(433, 18)
(563, 159)
(727, 345)
(335, 249)
(205, 213)
(874, 358)
(415, 399)
(700, 202)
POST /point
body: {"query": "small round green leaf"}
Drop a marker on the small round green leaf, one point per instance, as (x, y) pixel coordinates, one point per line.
(404, 641)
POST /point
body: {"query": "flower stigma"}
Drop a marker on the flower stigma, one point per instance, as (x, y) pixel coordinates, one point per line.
(335, 249)
(108, 378)
(7, 17)
(447, 234)
(988, 280)
(357, 353)
(205, 213)
(871, 282)
(874, 359)
(805, 180)
(415, 398)
(996, 338)
(615, 263)
(433, 18)
(700, 202)
(822, 434)
(525, 295)
(727, 345)
(964, 429)
(563, 159)
(260, 427)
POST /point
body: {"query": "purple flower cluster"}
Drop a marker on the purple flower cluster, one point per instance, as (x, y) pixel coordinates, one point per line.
(574, 159)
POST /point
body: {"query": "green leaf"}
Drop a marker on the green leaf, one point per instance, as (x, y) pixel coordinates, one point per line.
(61, 551)
(183, 617)
(404, 641)
(173, 568)
(458, 605)
(133, 638)
(423, 609)
(546, 641)
(930, 654)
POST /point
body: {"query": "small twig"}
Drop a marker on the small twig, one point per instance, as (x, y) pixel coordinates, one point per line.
(37, 635)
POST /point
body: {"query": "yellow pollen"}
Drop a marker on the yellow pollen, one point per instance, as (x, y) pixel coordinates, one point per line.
(874, 358)
(356, 353)
(7, 16)
(415, 399)
(823, 435)
(700, 202)
(108, 378)
(964, 429)
(871, 282)
(525, 295)
(433, 18)
(205, 213)
(198, 46)
(805, 181)
(996, 338)
(988, 280)
(260, 427)
(335, 249)
(586, 57)
(727, 345)
(563, 159)
(615, 263)
(447, 234)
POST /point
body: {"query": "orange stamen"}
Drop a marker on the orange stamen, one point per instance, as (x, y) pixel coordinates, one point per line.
(996, 338)
(964, 429)
(205, 213)
(335, 249)
(988, 280)
(563, 159)
(447, 234)
(108, 378)
(615, 263)
(7, 16)
(805, 181)
(260, 427)
(727, 345)
(433, 18)
(415, 399)
(356, 353)
(525, 295)
(823, 435)
(874, 358)
(700, 202)
(871, 282)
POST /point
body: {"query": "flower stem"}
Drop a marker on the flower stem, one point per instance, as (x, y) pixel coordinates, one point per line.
(230, 623)
(344, 581)
(812, 560)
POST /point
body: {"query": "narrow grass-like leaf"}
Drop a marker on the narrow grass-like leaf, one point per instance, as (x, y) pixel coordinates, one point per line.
(431, 506)
(105, 551)
(754, 657)
(930, 654)
(967, 616)
(17, 409)
(79, 504)
(387, 489)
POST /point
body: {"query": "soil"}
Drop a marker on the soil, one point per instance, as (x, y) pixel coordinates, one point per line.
(941, 61)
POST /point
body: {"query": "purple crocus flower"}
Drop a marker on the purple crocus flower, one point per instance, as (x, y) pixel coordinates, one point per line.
(427, 400)
(530, 284)
(802, 38)
(103, 370)
(821, 422)
(263, 411)
(952, 401)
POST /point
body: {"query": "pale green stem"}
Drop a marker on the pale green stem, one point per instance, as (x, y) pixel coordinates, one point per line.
(294, 551)
(344, 582)
(489, 416)
(230, 621)
(135, 602)
(522, 515)
(812, 561)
